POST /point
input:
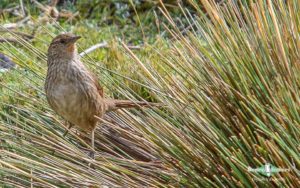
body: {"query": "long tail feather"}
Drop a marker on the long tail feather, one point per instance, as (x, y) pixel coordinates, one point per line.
(113, 104)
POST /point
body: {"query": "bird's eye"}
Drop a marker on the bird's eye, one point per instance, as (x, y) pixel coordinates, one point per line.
(63, 41)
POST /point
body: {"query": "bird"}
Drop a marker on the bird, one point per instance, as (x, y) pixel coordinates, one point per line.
(74, 92)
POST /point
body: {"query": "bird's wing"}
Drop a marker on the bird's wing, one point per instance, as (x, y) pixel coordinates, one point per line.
(98, 86)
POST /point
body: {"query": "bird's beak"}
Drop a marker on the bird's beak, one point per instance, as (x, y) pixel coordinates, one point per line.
(72, 40)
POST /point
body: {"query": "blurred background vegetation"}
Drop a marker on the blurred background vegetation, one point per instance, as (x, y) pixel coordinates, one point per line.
(227, 71)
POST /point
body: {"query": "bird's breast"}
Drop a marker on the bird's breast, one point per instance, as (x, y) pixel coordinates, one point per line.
(64, 97)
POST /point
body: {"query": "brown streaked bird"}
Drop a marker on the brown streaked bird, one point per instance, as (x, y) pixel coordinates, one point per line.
(73, 91)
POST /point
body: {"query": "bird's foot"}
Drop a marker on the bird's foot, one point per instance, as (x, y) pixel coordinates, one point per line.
(69, 125)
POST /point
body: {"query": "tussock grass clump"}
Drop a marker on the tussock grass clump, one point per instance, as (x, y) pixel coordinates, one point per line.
(237, 80)
(231, 89)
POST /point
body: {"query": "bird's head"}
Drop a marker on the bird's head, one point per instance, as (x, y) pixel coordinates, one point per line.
(63, 46)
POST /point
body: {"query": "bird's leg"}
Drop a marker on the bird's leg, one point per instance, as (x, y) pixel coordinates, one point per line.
(70, 125)
(92, 153)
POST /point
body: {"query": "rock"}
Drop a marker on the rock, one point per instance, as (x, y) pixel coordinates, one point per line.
(5, 63)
